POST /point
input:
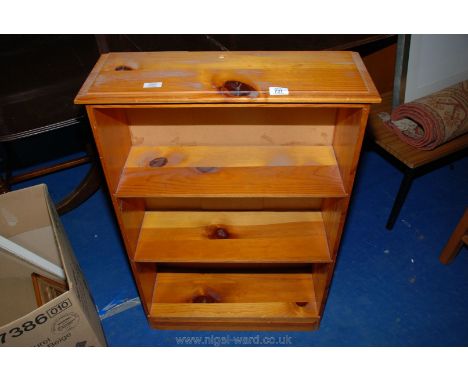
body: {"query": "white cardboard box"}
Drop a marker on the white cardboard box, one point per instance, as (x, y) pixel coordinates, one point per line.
(68, 315)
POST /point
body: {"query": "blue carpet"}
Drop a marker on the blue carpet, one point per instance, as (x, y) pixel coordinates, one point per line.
(389, 287)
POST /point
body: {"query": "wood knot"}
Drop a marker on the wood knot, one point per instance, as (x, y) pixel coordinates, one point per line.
(204, 299)
(238, 89)
(207, 170)
(217, 232)
(122, 68)
(301, 303)
(221, 233)
(158, 162)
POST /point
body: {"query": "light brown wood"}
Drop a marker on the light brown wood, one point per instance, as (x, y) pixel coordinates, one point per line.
(132, 212)
(231, 202)
(110, 130)
(320, 275)
(146, 277)
(334, 213)
(147, 108)
(235, 326)
(232, 237)
(306, 181)
(92, 76)
(349, 134)
(205, 77)
(112, 137)
(234, 287)
(233, 312)
(456, 240)
(229, 125)
(231, 170)
(409, 155)
(231, 156)
(234, 297)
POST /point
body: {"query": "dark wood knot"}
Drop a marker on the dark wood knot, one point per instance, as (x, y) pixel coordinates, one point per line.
(238, 89)
(158, 162)
(221, 233)
(207, 170)
(216, 232)
(204, 299)
(301, 303)
(122, 68)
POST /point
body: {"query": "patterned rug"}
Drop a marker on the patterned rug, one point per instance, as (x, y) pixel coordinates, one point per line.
(430, 121)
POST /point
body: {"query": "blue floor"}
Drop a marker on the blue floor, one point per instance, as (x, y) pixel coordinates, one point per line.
(389, 287)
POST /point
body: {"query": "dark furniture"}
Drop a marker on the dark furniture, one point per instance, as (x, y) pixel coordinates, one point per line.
(38, 120)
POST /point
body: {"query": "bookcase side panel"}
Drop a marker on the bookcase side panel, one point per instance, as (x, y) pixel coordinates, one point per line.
(113, 143)
(348, 138)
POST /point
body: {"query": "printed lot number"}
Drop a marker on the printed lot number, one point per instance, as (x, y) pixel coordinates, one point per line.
(275, 91)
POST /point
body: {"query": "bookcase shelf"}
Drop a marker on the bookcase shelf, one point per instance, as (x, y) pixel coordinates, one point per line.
(231, 200)
(231, 298)
(309, 171)
(232, 237)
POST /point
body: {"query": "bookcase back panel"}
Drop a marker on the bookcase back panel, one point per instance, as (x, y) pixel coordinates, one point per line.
(231, 126)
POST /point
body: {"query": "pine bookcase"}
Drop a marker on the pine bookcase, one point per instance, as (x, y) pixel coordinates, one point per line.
(230, 174)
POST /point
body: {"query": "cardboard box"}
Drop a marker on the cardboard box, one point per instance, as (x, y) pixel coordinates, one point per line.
(67, 316)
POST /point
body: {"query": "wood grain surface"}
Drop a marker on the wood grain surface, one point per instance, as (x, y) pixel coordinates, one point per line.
(231, 201)
(232, 237)
(228, 77)
(310, 181)
(234, 297)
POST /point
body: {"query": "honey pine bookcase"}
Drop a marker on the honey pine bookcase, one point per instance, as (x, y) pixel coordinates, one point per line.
(230, 174)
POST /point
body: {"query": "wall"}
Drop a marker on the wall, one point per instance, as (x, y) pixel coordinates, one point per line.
(435, 62)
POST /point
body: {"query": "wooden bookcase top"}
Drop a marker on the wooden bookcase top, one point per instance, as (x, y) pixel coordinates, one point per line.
(228, 77)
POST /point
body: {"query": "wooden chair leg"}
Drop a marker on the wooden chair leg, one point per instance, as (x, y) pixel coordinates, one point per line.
(456, 241)
(88, 186)
(401, 196)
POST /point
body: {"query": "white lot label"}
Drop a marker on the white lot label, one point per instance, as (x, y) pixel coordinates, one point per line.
(152, 85)
(278, 91)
